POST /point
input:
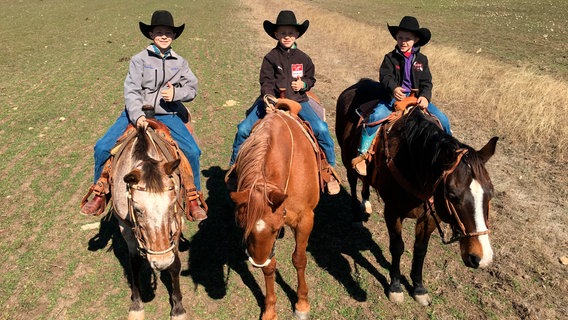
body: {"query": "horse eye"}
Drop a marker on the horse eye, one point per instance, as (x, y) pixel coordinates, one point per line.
(452, 196)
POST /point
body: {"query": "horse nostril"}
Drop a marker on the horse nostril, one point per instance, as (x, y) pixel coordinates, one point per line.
(473, 260)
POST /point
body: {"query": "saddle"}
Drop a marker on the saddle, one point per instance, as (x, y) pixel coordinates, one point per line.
(291, 108)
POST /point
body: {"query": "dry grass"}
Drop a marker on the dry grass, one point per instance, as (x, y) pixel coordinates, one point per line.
(529, 110)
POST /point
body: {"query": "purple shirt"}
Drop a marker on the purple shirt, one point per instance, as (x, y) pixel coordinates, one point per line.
(407, 80)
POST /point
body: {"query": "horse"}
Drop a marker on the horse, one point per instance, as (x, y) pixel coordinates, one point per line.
(277, 185)
(149, 214)
(416, 163)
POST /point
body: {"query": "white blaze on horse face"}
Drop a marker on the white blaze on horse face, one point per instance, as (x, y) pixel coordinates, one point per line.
(260, 225)
(156, 205)
(477, 192)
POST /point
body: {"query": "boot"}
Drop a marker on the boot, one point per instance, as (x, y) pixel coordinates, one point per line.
(101, 189)
(195, 211)
(360, 162)
(97, 204)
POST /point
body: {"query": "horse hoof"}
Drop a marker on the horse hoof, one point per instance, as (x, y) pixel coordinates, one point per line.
(136, 315)
(423, 299)
(302, 315)
(396, 297)
(367, 207)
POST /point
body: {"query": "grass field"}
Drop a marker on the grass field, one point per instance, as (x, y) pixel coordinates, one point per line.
(64, 65)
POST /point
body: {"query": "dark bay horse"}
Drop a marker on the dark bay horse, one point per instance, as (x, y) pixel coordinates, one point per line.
(278, 185)
(146, 193)
(414, 162)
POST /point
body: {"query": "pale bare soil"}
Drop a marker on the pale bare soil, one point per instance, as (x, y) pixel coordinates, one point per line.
(530, 210)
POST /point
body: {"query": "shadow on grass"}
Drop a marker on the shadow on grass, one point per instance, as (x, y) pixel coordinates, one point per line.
(333, 237)
(109, 232)
(218, 243)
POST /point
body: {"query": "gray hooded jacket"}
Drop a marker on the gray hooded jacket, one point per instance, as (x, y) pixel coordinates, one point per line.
(149, 74)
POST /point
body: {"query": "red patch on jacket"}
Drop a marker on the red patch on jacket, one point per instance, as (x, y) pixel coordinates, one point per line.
(418, 66)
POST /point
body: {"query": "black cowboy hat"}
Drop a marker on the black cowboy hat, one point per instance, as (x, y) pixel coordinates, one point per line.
(409, 23)
(285, 18)
(161, 18)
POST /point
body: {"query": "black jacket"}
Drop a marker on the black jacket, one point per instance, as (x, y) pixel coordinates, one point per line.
(276, 72)
(391, 73)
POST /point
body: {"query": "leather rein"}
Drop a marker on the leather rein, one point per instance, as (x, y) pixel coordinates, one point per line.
(425, 197)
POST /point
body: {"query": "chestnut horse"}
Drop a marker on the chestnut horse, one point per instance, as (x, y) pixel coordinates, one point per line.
(278, 184)
(149, 217)
(415, 161)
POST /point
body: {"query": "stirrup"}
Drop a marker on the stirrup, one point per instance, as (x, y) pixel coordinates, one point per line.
(359, 163)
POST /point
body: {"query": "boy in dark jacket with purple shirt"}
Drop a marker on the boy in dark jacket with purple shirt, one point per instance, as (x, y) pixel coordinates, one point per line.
(287, 70)
(402, 70)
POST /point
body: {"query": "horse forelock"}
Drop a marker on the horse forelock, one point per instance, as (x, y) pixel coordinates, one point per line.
(151, 173)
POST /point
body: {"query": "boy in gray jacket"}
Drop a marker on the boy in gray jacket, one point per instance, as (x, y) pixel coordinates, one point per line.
(160, 78)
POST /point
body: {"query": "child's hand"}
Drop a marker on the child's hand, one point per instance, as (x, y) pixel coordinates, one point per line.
(168, 94)
(399, 93)
(142, 122)
(423, 103)
(297, 85)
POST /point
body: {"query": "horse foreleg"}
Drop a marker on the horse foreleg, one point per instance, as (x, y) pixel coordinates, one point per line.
(396, 247)
(177, 312)
(366, 206)
(422, 232)
(356, 215)
(136, 311)
(269, 312)
(300, 260)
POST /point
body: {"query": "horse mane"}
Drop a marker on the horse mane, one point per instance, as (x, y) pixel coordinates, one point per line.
(151, 174)
(431, 148)
(252, 177)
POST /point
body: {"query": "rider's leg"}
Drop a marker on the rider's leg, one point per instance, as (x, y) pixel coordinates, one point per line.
(257, 111)
(321, 132)
(191, 151)
(102, 148)
(368, 133)
(444, 121)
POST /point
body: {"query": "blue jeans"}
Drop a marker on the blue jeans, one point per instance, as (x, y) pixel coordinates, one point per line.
(179, 133)
(258, 111)
(384, 109)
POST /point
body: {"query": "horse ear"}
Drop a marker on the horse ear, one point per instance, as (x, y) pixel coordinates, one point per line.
(488, 150)
(239, 197)
(171, 166)
(133, 177)
(276, 197)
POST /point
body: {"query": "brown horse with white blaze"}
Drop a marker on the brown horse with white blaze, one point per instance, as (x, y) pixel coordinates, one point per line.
(278, 185)
(416, 162)
(149, 215)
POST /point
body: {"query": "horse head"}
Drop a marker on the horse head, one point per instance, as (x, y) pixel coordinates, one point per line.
(152, 212)
(261, 214)
(462, 200)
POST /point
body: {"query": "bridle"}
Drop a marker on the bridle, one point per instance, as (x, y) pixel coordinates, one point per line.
(135, 226)
(425, 197)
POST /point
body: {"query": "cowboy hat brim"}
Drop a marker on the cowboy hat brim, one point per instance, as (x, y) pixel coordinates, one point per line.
(270, 28)
(146, 29)
(423, 34)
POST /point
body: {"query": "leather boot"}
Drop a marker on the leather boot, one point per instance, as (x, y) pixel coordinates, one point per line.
(196, 211)
(95, 206)
(101, 189)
